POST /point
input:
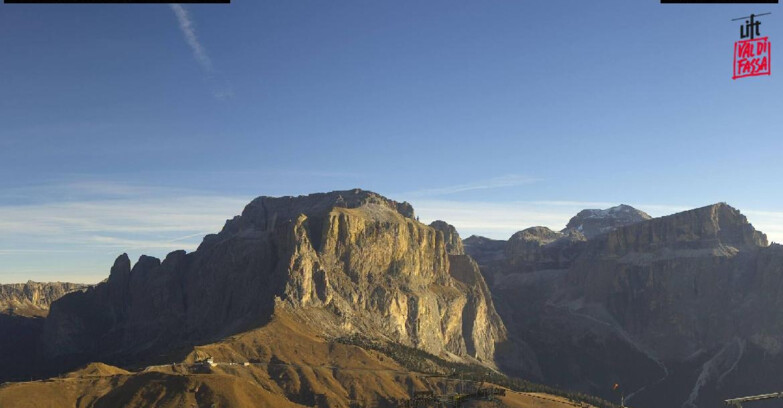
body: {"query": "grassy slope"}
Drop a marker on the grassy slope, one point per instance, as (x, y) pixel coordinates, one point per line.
(288, 367)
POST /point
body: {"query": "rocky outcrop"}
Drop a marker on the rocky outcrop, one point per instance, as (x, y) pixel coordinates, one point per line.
(481, 325)
(484, 250)
(677, 309)
(450, 236)
(343, 262)
(540, 247)
(596, 222)
(526, 242)
(33, 297)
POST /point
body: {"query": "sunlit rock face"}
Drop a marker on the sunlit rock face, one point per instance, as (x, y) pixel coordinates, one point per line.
(344, 262)
(454, 244)
(33, 297)
(677, 309)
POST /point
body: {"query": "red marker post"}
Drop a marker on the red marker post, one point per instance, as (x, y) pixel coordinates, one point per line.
(616, 388)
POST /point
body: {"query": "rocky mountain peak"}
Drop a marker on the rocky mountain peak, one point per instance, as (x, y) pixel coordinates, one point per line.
(538, 235)
(477, 240)
(717, 227)
(343, 262)
(686, 304)
(541, 245)
(720, 222)
(121, 268)
(451, 237)
(593, 222)
(265, 212)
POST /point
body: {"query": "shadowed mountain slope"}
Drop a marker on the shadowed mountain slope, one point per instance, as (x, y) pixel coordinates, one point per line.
(23, 307)
(677, 309)
(283, 364)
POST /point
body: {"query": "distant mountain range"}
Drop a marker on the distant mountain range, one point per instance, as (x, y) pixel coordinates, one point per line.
(345, 299)
(33, 298)
(682, 310)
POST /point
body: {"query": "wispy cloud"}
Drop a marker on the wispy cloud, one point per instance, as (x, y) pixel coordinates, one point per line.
(510, 180)
(221, 89)
(77, 238)
(189, 31)
(73, 231)
(159, 220)
(35, 251)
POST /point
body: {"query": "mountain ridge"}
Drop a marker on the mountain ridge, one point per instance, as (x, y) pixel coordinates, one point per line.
(686, 300)
(592, 222)
(344, 261)
(658, 303)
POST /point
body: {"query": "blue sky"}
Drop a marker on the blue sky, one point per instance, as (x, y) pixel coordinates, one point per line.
(140, 128)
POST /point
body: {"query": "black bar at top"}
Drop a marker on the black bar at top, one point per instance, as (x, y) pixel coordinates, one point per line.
(115, 1)
(719, 1)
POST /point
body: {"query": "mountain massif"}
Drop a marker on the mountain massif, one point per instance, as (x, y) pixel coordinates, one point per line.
(344, 263)
(682, 310)
(344, 272)
(345, 299)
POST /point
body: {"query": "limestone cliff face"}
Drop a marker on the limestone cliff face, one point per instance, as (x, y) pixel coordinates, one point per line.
(383, 272)
(703, 228)
(683, 310)
(454, 244)
(33, 297)
(661, 279)
(344, 262)
(481, 325)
